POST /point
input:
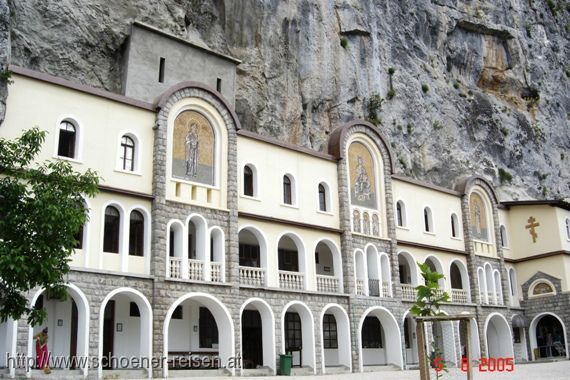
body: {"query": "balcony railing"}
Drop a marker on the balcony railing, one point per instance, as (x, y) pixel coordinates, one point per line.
(195, 269)
(328, 284)
(373, 287)
(175, 270)
(252, 276)
(408, 292)
(291, 280)
(360, 287)
(216, 272)
(385, 289)
(484, 248)
(459, 296)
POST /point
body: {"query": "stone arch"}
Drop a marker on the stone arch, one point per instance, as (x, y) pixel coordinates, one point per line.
(301, 253)
(223, 320)
(268, 330)
(391, 332)
(83, 312)
(438, 267)
(307, 330)
(144, 328)
(360, 272)
(498, 337)
(406, 258)
(386, 275)
(336, 261)
(256, 234)
(343, 352)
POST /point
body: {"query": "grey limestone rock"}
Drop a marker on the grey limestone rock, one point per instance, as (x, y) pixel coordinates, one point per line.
(478, 86)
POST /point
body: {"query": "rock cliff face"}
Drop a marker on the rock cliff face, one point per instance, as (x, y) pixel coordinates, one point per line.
(459, 87)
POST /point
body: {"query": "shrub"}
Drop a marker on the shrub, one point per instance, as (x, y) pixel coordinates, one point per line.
(344, 42)
(390, 94)
(505, 176)
(391, 71)
(425, 88)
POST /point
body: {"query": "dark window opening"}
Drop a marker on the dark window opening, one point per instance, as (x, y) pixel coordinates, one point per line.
(111, 232)
(79, 238)
(247, 181)
(330, 339)
(219, 84)
(453, 227)
(171, 244)
(287, 194)
(293, 332)
(516, 335)
(288, 260)
(371, 333)
(161, 70)
(399, 214)
(208, 329)
(407, 340)
(249, 255)
(177, 313)
(322, 198)
(134, 310)
(66, 143)
(136, 234)
(427, 224)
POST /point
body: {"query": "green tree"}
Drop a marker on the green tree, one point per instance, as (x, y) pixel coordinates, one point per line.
(41, 212)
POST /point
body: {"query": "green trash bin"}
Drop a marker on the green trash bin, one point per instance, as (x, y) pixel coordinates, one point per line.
(285, 362)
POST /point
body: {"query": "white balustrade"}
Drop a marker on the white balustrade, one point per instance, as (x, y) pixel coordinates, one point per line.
(459, 296)
(408, 292)
(291, 280)
(252, 276)
(195, 269)
(385, 289)
(216, 272)
(175, 267)
(328, 284)
(360, 287)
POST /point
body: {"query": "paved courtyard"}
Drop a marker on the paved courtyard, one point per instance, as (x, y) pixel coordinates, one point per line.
(552, 371)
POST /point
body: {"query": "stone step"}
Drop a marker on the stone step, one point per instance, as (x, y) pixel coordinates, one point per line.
(264, 371)
(110, 374)
(301, 371)
(60, 374)
(337, 369)
(198, 373)
(379, 368)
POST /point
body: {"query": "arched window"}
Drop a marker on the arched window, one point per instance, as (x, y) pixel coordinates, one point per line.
(568, 228)
(322, 198)
(503, 232)
(127, 153)
(400, 214)
(288, 190)
(136, 234)
(428, 221)
(67, 139)
(356, 221)
(454, 226)
(112, 230)
(248, 181)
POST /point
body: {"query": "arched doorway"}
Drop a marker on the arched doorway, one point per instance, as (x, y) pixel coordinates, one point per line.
(410, 339)
(257, 335)
(125, 330)
(252, 257)
(335, 329)
(291, 261)
(474, 339)
(548, 337)
(69, 319)
(498, 337)
(459, 282)
(328, 267)
(379, 339)
(198, 322)
(297, 334)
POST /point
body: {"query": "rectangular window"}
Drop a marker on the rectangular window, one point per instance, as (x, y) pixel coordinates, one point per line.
(330, 339)
(161, 70)
(371, 333)
(219, 84)
(134, 310)
(293, 333)
(249, 255)
(288, 260)
(208, 329)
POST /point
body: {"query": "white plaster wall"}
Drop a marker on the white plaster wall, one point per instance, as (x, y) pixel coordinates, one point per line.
(126, 342)
(442, 206)
(271, 163)
(331, 357)
(5, 343)
(102, 122)
(373, 356)
(549, 232)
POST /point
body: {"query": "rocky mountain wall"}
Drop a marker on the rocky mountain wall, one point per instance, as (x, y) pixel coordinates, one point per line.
(459, 87)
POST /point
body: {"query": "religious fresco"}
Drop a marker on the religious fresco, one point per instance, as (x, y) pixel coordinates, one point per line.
(542, 288)
(362, 176)
(478, 218)
(193, 148)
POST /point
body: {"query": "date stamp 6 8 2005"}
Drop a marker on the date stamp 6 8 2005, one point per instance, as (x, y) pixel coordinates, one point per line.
(483, 364)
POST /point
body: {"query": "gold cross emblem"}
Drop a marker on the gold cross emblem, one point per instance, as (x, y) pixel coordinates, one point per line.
(532, 224)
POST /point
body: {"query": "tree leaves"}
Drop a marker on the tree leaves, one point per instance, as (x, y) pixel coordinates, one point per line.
(428, 296)
(41, 211)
